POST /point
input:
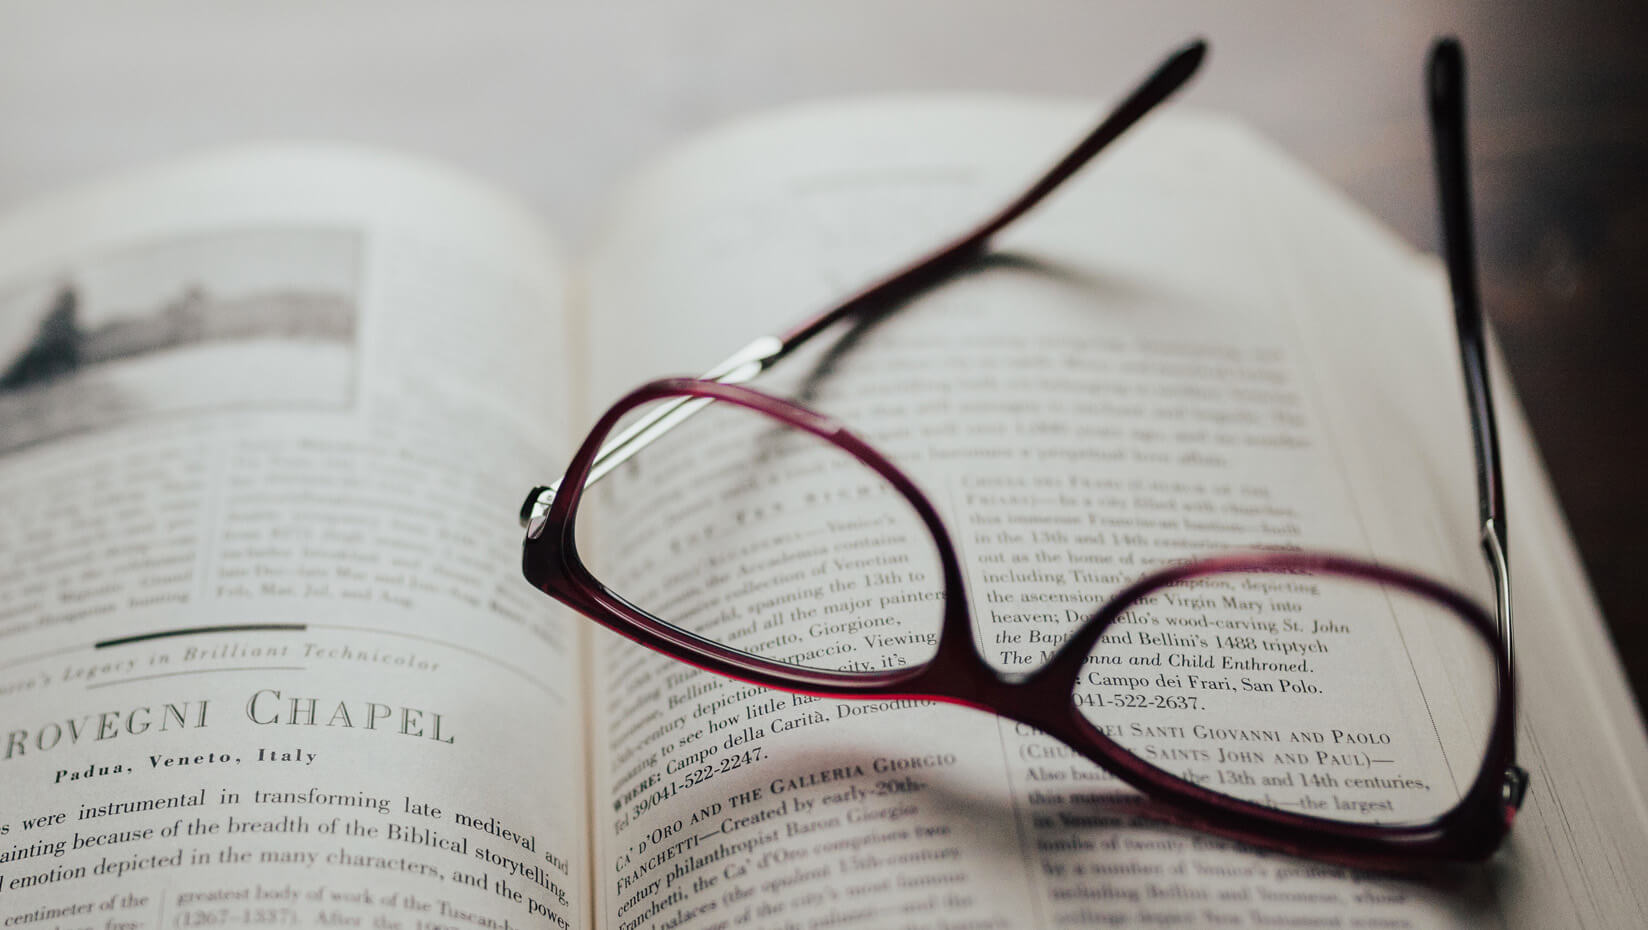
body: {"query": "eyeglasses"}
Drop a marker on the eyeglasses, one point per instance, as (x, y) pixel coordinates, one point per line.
(763, 541)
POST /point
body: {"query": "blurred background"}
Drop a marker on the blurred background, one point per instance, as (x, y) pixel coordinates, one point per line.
(558, 101)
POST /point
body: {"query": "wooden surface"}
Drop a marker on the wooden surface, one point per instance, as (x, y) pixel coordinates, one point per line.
(558, 101)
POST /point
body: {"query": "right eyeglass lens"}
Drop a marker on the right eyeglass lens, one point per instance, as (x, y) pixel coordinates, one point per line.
(1317, 694)
(751, 533)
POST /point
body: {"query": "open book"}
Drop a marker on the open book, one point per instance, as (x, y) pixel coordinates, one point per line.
(266, 418)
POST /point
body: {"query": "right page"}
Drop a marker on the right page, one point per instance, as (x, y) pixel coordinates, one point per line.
(1193, 348)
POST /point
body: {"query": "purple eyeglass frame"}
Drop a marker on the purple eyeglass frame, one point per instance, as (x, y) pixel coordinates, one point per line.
(957, 673)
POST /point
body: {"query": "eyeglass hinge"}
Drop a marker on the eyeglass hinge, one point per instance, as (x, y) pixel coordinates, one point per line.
(741, 366)
(1514, 789)
(747, 362)
(537, 503)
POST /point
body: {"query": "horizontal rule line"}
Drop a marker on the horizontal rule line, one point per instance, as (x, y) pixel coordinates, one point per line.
(198, 630)
(198, 671)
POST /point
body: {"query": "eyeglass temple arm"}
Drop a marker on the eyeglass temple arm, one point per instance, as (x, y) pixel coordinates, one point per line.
(739, 367)
(1176, 69)
(1446, 78)
(898, 287)
(1445, 83)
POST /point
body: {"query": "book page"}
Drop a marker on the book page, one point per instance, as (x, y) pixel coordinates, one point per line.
(264, 419)
(1149, 371)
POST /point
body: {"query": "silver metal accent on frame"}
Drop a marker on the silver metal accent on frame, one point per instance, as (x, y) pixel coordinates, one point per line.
(737, 368)
(1500, 565)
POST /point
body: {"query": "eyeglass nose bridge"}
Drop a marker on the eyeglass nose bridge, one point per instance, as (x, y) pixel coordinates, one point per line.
(960, 673)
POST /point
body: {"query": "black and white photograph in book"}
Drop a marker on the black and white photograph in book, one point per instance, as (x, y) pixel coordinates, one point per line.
(246, 319)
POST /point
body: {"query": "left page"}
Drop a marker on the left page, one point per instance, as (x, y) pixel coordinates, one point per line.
(264, 417)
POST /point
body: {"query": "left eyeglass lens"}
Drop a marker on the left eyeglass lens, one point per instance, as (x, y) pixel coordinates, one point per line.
(751, 533)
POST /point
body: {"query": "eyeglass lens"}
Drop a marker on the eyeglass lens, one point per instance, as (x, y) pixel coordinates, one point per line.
(1242, 683)
(744, 531)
